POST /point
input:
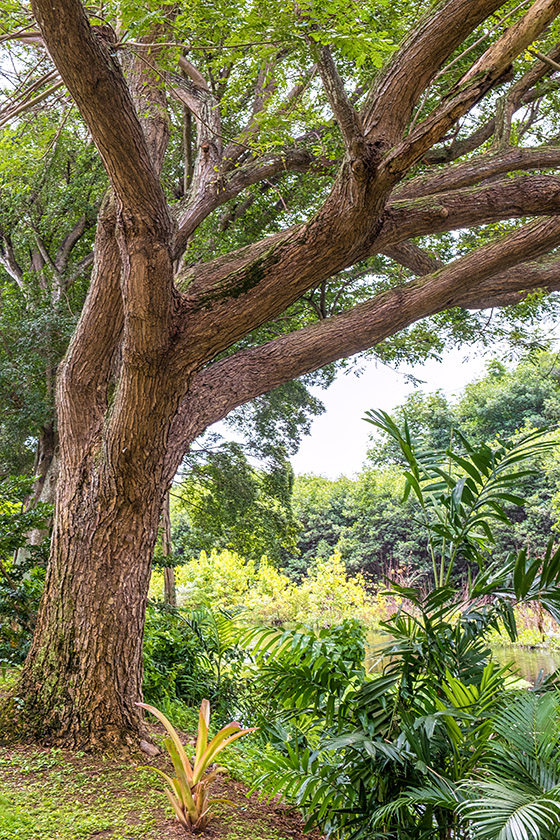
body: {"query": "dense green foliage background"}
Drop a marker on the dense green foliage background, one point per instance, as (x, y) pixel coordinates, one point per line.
(231, 503)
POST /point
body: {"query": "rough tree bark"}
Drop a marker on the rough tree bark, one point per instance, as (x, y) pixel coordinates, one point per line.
(144, 375)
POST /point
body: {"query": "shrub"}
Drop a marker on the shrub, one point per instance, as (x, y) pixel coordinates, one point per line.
(227, 581)
(21, 582)
(175, 662)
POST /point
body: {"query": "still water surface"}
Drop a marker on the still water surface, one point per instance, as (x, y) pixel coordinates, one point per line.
(529, 661)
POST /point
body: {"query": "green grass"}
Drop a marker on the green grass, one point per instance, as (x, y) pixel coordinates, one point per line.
(46, 796)
(53, 794)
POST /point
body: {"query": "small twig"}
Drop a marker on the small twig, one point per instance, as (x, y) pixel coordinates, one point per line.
(26, 106)
(124, 44)
(54, 142)
(545, 59)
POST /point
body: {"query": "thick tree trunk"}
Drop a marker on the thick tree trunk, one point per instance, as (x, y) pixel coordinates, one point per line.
(84, 672)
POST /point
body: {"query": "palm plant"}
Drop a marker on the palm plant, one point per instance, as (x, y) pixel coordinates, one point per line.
(462, 493)
(517, 797)
(389, 755)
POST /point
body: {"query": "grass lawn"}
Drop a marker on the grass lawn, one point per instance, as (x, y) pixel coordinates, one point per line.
(54, 794)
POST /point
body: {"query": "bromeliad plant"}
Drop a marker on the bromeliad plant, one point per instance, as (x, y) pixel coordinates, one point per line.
(188, 790)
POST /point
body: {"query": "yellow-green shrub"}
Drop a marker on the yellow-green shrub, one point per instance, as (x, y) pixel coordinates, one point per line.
(326, 595)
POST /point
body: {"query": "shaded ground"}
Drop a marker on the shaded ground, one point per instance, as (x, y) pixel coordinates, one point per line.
(54, 794)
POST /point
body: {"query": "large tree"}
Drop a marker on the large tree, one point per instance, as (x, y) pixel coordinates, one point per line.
(444, 122)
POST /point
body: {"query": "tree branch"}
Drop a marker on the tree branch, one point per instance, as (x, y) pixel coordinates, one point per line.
(248, 373)
(403, 219)
(482, 76)
(409, 255)
(480, 168)
(526, 195)
(510, 287)
(9, 113)
(546, 59)
(149, 95)
(194, 93)
(523, 92)
(68, 243)
(10, 263)
(265, 89)
(86, 371)
(258, 170)
(416, 63)
(346, 116)
(83, 57)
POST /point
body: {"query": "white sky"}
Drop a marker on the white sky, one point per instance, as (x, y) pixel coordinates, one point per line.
(339, 438)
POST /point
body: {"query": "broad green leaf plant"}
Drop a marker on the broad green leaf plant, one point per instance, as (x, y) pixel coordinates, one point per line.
(461, 491)
(435, 746)
(188, 790)
(517, 796)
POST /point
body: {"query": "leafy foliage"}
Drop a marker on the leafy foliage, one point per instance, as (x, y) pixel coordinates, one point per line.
(378, 533)
(51, 182)
(518, 797)
(224, 502)
(21, 572)
(326, 595)
(189, 653)
(461, 494)
(398, 754)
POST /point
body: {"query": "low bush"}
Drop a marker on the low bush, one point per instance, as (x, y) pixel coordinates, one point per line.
(175, 662)
(21, 579)
(192, 653)
(325, 595)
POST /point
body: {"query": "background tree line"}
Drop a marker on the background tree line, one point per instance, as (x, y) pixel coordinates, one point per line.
(226, 502)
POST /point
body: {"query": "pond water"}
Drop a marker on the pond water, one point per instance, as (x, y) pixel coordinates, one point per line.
(529, 661)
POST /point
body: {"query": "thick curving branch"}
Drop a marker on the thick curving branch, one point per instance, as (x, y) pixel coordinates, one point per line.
(403, 219)
(416, 63)
(480, 168)
(474, 281)
(410, 256)
(481, 78)
(509, 198)
(83, 57)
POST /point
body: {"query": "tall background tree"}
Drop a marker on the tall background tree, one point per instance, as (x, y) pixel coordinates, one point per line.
(354, 135)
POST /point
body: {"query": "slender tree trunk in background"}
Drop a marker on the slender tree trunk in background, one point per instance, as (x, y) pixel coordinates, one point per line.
(46, 466)
(169, 591)
(44, 489)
